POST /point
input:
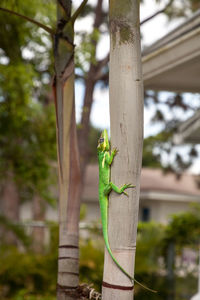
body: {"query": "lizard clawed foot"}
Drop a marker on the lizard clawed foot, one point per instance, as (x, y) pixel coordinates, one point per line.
(115, 151)
(129, 185)
(125, 194)
(126, 186)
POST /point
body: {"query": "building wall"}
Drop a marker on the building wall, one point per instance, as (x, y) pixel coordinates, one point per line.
(149, 210)
(161, 210)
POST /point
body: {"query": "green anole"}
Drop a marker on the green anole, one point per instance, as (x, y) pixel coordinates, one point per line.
(105, 159)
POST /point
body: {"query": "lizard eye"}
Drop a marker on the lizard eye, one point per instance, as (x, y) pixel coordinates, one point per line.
(101, 140)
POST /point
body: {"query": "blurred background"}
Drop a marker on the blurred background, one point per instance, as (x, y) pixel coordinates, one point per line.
(169, 228)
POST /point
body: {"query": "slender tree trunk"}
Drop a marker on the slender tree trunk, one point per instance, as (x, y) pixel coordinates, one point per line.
(90, 82)
(170, 271)
(68, 158)
(38, 231)
(126, 113)
(10, 205)
(83, 131)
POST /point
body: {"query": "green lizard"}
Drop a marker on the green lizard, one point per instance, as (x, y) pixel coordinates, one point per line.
(105, 159)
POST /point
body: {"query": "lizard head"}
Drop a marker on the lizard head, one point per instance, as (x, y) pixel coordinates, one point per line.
(103, 143)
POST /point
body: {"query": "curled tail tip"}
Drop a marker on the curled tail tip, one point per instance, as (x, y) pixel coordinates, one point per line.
(130, 277)
(144, 286)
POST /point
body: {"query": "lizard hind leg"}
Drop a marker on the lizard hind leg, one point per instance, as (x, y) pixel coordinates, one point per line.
(107, 189)
(121, 189)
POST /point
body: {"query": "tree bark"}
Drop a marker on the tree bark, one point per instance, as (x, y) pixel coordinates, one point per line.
(68, 158)
(126, 115)
(170, 271)
(10, 205)
(38, 231)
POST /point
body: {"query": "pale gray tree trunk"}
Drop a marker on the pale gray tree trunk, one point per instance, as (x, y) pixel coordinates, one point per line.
(126, 113)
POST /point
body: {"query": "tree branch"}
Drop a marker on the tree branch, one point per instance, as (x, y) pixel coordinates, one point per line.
(78, 11)
(102, 63)
(156, 13)
(79, 77)
(46, 28)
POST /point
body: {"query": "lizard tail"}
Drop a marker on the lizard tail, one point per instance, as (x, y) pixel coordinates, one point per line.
(121, 268)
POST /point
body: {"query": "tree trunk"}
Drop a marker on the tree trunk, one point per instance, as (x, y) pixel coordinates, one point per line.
(90, 82)
(68, 158)
(38, 230)
(83, 131)
(170, 271)
(126, 114)
(10, 205)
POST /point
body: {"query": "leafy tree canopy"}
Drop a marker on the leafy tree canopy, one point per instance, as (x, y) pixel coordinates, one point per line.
(27, 122)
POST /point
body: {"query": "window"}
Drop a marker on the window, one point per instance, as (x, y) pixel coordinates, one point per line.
(145, 214)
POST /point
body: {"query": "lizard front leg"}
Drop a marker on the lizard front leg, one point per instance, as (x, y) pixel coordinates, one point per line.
(110, 157)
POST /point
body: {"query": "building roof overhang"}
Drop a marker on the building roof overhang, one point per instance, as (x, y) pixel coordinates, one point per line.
(168, 196)
(173, 62)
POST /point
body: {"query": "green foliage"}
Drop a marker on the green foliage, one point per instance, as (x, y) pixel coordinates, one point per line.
(186, 286)
(30, 270)
(91, 262)
(181, 8)
(152, 158)
(83, 212)
(154, 281)
(27, 274)
(88, 9)
(24, 295)
(184, 228)
(34, 276)
(160, 150)
(27, 124)
(7, 225)
(40, 10)
(150, 268)
(148, 249)
(149, 159)
(147, 263)
(178, 8)
(33, 167)
(86, 51)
